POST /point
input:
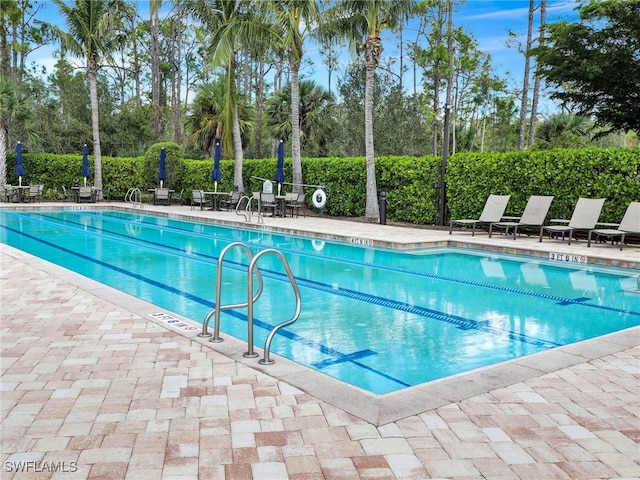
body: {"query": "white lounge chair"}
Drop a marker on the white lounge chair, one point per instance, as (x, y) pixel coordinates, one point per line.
(585, 216)
(492, 212)
(533, 215)
(630, 224)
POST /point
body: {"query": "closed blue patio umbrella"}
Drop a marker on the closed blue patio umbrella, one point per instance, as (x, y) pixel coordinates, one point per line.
(216, 176)
(20, 171)
(86, 171)
(162, 171)
(280, 168)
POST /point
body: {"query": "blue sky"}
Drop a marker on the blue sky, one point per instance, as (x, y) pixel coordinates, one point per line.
(489, 21)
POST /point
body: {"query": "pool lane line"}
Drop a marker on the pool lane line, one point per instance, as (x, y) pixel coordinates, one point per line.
(64, 223)
(338, 357)
(204, 257)
(256, 321)
(583, 301)
(460, 322)
(112, 215)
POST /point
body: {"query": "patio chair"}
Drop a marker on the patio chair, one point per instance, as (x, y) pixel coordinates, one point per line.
(179, 199)
(86, 194)
(34, 193)
(290, 202)
(301, 204)
(9, 193)
(231, 201)
(492, 212)
(630, 224)
(268, 201)
(106, 194)
(584, 218)
(66, 195)
(198, 198)
(162, 195)
(532, 217)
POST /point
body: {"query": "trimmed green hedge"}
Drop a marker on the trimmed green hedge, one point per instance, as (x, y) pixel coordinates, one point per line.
(411, 183)
(568, 174)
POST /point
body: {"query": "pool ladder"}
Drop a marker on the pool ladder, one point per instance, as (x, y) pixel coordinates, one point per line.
(134, 197)
(245, 209)
(251, 299)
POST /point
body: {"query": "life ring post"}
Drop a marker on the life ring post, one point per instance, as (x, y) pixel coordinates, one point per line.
(319, 199)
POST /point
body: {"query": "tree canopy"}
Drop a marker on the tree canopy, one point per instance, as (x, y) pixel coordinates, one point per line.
(595, 63)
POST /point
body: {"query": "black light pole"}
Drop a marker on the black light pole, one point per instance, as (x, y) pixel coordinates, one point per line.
(443, 166)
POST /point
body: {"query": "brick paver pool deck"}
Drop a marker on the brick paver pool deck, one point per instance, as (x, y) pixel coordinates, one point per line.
(94, 387)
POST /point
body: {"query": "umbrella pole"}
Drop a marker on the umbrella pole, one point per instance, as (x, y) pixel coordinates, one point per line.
(85, 181)
(161, 183)
(215, 186)
(20, 180)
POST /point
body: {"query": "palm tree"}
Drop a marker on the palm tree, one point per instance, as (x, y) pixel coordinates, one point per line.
(291, 16)
(564, 130)
(206, 123)
(91, 35)
(361, 22)
(231, 23)
(15, 108)
(315, 119)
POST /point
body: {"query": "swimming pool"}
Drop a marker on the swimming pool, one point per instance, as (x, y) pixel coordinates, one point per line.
(379, 319)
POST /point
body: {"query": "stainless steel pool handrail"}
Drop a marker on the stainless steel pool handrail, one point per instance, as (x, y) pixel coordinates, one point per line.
(246, 214)
(251, 299)
(134, 197)
(217, 308)
(266, 360)
(258, 208)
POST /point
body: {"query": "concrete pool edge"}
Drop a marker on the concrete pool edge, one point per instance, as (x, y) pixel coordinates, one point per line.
(361, 233)
(376, 409)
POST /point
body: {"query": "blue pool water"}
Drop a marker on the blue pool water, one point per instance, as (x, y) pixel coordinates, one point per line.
(378, 319)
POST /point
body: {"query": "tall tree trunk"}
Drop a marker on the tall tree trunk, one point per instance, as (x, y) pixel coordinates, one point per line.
(95, 123)
(536, 83)
(257, 139)
(3, 153)
(372, 211)
(436, 80)
(176, 106)
(401, 73)
(155, 70)
(5, 63)
(136, 63)
(295, 125)
(525, 82)
(372, 52)
(450, 60)
(18, 72)
(447, 115)
(237, 149)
